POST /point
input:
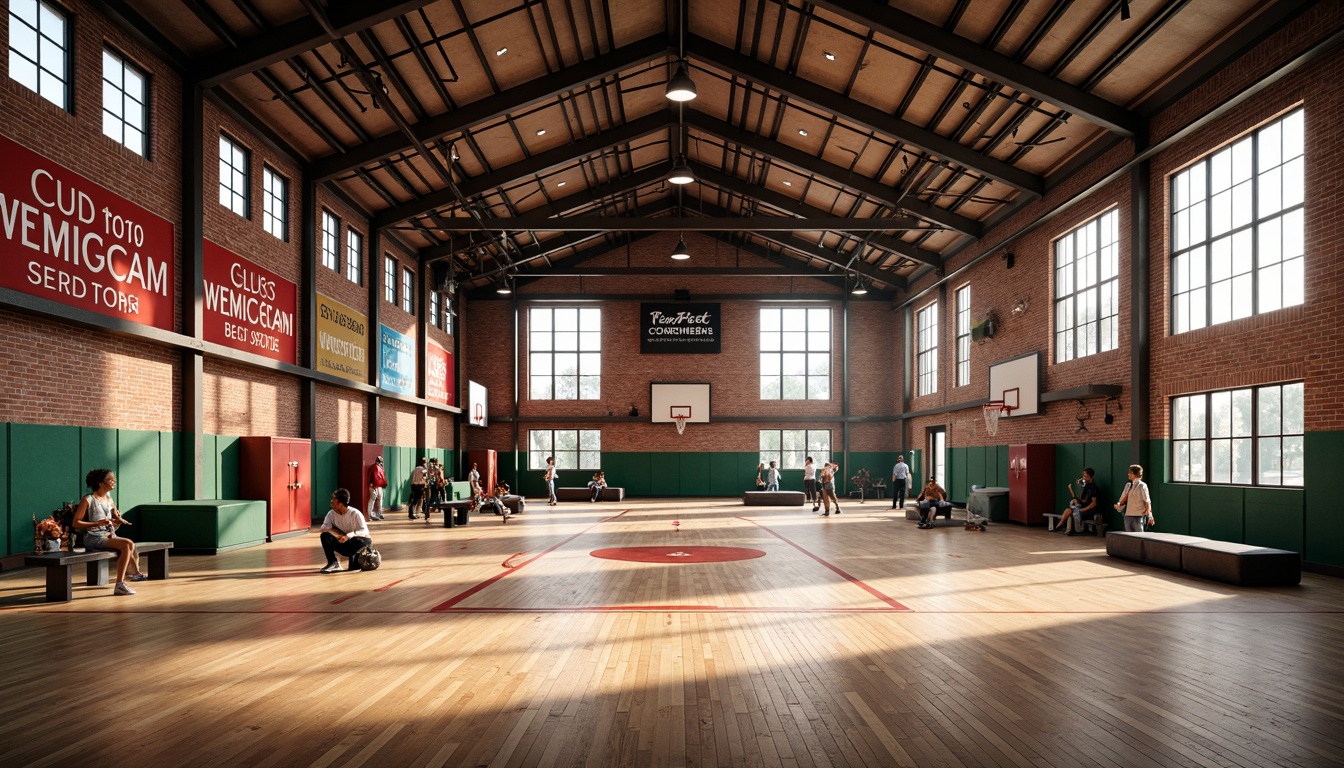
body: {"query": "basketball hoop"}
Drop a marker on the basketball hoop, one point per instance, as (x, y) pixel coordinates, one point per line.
(993, 410)
(680, 421)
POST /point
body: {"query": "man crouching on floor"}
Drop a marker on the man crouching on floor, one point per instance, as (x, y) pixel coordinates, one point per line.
(343, 531)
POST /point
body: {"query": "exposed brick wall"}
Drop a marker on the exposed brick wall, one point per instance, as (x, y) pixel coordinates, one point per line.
(335, 283)
(240, 400)
(68, 375)
(439, 430)
(396, 423)
(342, 415)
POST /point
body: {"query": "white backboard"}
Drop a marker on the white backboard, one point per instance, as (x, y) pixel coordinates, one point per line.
(1017, 382)
(683, 396)
(478, 405)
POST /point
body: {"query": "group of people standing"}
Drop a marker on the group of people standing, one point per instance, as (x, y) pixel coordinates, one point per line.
(818, 483)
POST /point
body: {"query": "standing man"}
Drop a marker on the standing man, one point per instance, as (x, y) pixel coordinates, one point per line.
(1135, 502)
(474, 480)
(772, 478)
(550, 479)
(343, 532)
(433, 486)
(810, 483)
(419, 476)
(377, 482)
(900, 478)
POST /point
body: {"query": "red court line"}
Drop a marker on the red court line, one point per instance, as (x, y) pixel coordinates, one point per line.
(856, 582)
(383, 588)
(452, 601)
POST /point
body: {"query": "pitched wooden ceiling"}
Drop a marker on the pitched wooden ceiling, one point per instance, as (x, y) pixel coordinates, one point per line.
(834, 136)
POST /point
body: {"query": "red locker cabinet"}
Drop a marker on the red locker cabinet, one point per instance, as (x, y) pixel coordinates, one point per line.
(487, 463)
(1031, 480)
(353, 462)
(278, 470)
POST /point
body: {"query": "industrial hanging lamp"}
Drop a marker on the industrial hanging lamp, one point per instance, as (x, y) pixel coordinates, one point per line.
(681, 87)
(681, 252)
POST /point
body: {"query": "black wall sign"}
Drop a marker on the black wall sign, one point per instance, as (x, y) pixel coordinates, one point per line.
(681, 328)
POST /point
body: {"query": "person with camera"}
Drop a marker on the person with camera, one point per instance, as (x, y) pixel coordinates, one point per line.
(343, 532)
(98, 518)
(1082, 505)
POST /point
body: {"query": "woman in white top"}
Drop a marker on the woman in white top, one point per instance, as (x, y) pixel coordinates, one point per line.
(98, 518)
(1135, 502)
(810, 483)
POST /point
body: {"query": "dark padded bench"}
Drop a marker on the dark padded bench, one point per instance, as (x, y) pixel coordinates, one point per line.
(60, 567)
(1245, 565)
(454, 513)
(941, 517)
(1160, 549)
(584, 494)
(773, 498)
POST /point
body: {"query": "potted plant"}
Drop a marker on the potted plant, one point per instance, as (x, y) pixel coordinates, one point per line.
(47, 535)
(862, 483)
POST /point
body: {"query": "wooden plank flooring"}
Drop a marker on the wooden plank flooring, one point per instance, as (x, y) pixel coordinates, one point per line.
(857, 640)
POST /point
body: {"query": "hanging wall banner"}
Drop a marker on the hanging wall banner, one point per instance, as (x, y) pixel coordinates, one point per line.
(440, 384)
(342, 340)
(679, 328)
(248, 307)
(397, 372)
(66, 239)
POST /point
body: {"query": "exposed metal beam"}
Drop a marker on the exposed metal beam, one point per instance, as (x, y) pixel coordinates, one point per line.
(492, 107)
(774, 199)
(303, 34)
(861, 114)
(688, 271)
(538, 163)
(916, 32)
(843, 176)
(729, 223)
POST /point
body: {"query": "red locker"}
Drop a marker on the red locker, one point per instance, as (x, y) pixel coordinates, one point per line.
(353, 464)
(487, 463)
(278, 470)
(1031, 480)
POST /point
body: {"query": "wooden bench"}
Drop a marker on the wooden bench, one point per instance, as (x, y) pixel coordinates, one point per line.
(585, 494)
(60, 567)
(773, 498)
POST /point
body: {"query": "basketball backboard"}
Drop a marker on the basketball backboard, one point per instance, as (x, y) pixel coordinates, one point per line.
(670, 399)
(1017, 382)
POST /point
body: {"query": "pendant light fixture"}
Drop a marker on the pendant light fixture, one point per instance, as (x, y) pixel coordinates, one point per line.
(681, 252)
(860, 287)
(681, 87)
(681, 172)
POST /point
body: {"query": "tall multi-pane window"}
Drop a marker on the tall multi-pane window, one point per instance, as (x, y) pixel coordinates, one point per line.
(390, 280)
(331, 241)
(39, 50)
(435, 310)
(234, 173)
(963, 335)
(564, 353)
(795, 353)
(1087, 289)
(125, 103)
(275, 203)
(789, 448)
(354, 257)
(1237, 227)
(1251, 436)
(572, 449)
(926, 346)
(407, 291)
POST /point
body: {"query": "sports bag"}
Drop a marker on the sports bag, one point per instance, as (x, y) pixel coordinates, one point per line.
(368, 558)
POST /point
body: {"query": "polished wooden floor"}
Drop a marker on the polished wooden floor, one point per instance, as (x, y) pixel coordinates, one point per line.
(856, 640)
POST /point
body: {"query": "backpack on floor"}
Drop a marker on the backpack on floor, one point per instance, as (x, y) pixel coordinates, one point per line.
(368, 558)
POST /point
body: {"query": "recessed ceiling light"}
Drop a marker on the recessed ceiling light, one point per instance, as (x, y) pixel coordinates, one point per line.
(829, 56)
(788, 183)
(801, 132)
(501, 51)
(561, 184)
(541, 131)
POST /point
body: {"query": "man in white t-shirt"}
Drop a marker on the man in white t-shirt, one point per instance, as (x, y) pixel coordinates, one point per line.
(419, 478)
(900, 480)
(343, 532)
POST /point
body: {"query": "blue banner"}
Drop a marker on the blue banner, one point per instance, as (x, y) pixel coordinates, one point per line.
(397, 367)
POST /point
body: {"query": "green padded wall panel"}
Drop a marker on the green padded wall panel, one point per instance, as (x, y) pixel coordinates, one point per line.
(730, 473)
(1000, 466)
(1217, 512)
(209, 467)
(958, 461)
(138, 476)
(170, 452)
(229, 448)
(664, 474)
(695, 474)
(1274, 518)
(98, 449)
(5, 505)
(1069, 458)
(1171, 508)
(40, 451)
(324, 477)
(1323, 536)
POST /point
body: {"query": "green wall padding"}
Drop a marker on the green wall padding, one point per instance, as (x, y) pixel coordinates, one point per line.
(209, 467)
(1216, 512)
(1274, 518)
(139, 468)
(1322, 534)
(40, 451)
(5, 533)
(324, 477)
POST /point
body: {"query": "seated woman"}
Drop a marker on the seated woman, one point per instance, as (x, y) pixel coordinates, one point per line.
(597, 484)
(98, 518)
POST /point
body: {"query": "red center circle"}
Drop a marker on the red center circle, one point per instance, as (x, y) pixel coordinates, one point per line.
(677, 554)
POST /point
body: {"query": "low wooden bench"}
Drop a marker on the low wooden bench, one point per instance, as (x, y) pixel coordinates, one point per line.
(60, 567)
(585, 494)
(773, 498)
(1097, 524)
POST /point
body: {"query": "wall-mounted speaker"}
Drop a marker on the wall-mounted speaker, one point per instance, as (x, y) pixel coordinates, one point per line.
(681, 294)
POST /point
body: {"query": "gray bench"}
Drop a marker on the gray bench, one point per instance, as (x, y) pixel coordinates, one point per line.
(941, 517)
(773, 498)
(584, 494)
(1097, 524)
(1241, 564)
(60, 567)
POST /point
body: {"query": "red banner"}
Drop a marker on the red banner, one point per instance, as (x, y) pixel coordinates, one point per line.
(440, 384)
(64, 238)
(248, 307)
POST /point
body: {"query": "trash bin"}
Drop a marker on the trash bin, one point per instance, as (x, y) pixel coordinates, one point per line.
(989, 503)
